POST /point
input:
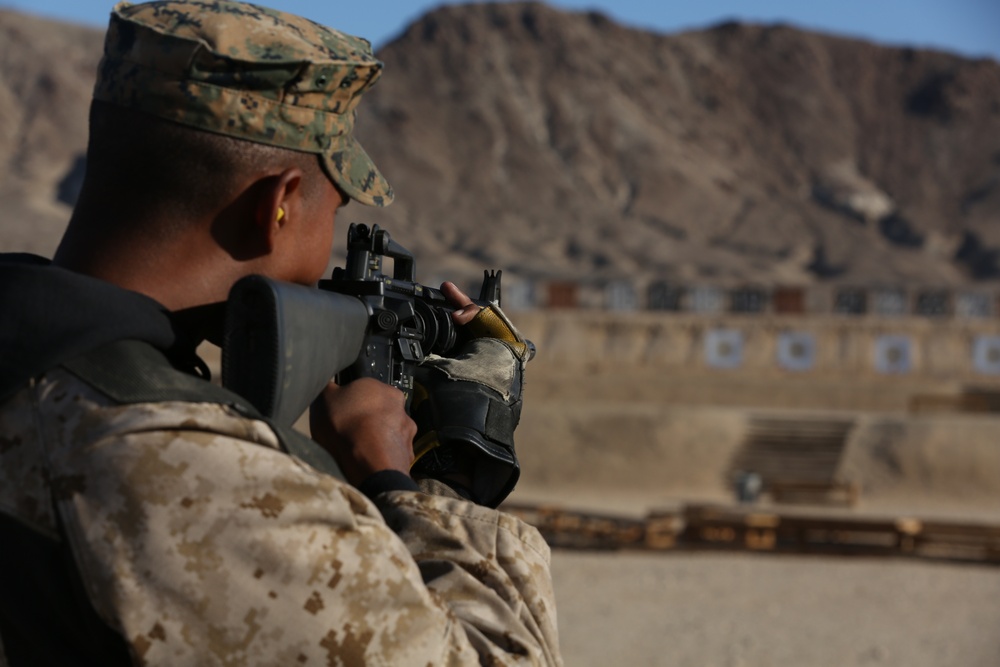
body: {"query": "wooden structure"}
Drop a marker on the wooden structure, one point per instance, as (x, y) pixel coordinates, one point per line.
(726, 528)
(789, 301)
(569, 529)
(709, 527)
(971, 399)
(562, 295)
(797, 460)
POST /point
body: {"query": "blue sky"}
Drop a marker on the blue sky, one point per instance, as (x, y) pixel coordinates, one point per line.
(969, 27)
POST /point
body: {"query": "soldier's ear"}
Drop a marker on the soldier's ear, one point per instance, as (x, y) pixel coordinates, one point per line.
(278, 205)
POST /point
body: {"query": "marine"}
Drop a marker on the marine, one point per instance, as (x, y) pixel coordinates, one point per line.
(148, 517)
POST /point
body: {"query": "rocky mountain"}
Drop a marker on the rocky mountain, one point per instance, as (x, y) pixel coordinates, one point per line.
(563, 145)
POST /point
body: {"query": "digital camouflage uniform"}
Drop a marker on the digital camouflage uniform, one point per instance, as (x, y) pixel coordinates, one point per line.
(196, 538)
(201, 543)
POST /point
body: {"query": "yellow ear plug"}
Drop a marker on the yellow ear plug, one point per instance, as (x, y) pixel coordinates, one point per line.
(281, 214)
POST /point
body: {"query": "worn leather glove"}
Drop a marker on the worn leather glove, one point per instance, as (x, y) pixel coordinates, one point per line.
(466, 408)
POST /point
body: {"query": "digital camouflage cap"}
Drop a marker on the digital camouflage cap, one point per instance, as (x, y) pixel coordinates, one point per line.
(247, 72)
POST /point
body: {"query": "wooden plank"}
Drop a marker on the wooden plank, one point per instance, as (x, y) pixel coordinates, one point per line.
(972, 399)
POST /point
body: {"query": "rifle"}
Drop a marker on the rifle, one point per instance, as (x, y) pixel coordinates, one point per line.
(284, 342)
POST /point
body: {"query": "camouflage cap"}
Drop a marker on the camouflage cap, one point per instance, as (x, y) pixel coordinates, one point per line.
(247, 72)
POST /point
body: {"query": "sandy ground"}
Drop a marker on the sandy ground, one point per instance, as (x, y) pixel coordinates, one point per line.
(761, 610)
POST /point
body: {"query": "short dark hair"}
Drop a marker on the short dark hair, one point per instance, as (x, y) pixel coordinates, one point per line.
(160, 167)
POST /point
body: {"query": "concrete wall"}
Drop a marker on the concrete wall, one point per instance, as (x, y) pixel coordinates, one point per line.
(845, 345)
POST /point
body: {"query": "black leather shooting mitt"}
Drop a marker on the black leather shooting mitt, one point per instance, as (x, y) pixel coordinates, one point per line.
(466, 408)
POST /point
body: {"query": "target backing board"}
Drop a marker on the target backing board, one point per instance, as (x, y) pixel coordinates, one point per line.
(973, 304)
(891, 302)
(516, 295)
(724, 348)
(986, 354)
(796, 350)
(893, 354)
(748, 300)
(621, 296)
(664, 296)
(705, 299)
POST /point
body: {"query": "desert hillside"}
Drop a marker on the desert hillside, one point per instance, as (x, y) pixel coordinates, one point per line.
(560, 144)
(564, 143)
(46, 77)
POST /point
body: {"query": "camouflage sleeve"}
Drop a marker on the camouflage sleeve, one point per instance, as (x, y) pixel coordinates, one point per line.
(201, 546)
(491, 567)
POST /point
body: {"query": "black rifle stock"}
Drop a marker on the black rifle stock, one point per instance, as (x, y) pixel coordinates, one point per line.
(277, 352)
(284, 342)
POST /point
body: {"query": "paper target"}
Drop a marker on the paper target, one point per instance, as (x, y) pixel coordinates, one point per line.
(796, 350)
(893, 354)
(986, 354)
(724, 348)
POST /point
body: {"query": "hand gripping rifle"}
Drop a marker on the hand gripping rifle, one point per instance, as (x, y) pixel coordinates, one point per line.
(284, 342)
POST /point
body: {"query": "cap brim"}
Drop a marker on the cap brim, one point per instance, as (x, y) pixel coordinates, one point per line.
(350, 167)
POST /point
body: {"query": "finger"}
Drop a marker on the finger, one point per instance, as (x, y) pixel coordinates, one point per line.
(457, 297)
(466, 310)
(465, 315)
